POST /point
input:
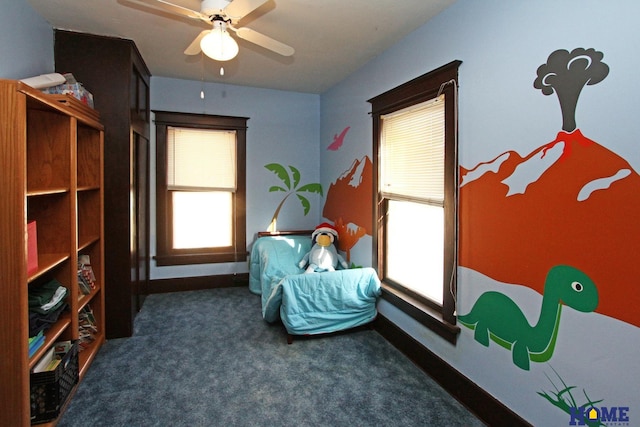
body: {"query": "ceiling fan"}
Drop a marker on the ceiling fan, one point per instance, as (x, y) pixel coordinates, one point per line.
(216, 43)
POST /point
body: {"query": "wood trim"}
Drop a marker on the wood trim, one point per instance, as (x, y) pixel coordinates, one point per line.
(285, 233)
(200, 258)
(413, 92)
(475, 398)
(201, 121)
(166, 254)
(160, 286)
(422, 313)
(14, 384)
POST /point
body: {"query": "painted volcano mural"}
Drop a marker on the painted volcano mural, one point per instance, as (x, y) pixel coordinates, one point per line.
(569, 202)
(348, 204)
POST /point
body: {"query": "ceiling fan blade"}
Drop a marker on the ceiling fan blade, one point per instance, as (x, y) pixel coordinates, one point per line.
(175, 9)
(264, 41)
(194, 47)
(237, 9)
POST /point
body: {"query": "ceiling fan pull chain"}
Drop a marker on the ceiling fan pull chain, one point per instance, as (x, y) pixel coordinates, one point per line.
(202, 75)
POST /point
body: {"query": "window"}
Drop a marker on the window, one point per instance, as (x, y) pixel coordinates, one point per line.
(415, 129)
(200, 186)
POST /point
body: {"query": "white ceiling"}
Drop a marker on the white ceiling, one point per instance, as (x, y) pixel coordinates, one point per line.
(331, 38)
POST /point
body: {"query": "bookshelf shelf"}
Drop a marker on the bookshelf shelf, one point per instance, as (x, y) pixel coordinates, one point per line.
(86, 357)
(87, 189)
(51, 149)
(46, 263)
(83, 300)
(46, 191)
(51, 336)
(87, 241)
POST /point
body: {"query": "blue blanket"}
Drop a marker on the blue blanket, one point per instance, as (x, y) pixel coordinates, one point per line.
(274, 257)
(309, 303)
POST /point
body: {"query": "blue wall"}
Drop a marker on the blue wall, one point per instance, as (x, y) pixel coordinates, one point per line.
(501, 44)
(26, 42)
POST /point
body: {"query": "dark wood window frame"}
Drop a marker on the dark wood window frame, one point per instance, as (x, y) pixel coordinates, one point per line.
(444, 80)
(166, 255)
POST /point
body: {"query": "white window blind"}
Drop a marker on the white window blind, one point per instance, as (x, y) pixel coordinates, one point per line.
(201, 160)
(412, 148)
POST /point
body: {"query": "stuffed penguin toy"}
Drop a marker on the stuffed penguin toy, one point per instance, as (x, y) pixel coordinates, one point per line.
(323, 255)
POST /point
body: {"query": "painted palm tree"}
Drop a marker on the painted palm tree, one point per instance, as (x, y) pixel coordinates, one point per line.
(290, 180)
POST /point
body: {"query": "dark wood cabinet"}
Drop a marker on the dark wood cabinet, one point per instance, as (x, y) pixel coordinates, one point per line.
(113, 70)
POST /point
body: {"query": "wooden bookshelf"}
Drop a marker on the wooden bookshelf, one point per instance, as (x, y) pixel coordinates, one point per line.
(51, 152)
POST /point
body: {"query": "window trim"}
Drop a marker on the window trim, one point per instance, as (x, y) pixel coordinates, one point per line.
(442, 320)
(165, 254)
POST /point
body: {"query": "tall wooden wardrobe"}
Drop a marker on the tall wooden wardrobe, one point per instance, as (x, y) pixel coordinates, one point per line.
(113, 70)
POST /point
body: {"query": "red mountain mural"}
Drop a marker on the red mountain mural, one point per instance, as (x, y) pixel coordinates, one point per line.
(571, 202)
(348, 203)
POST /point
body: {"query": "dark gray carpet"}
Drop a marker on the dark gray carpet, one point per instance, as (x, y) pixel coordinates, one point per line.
(206, 358)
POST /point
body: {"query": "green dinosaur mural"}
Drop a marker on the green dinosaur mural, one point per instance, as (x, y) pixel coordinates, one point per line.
(495, 316)
(290, 183)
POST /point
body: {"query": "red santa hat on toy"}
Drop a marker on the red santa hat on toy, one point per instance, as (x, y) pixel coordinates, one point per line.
(325, 228)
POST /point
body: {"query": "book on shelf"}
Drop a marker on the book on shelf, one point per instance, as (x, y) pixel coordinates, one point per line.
(35, 343)
(62, 347)
(45, 361)
(35, 337)
(32, 247)
(86, 327)
(52, 357)
(83, 286)
(86, 277)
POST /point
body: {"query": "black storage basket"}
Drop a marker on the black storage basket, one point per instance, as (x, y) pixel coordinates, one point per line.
(50, 389)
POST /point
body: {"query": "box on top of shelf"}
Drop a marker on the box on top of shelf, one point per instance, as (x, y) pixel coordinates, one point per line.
(72, 87)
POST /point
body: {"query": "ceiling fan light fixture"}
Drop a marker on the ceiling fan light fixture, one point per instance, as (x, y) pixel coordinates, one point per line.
(218, 44)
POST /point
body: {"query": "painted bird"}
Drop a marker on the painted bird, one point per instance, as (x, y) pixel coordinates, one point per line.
(338, 140)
